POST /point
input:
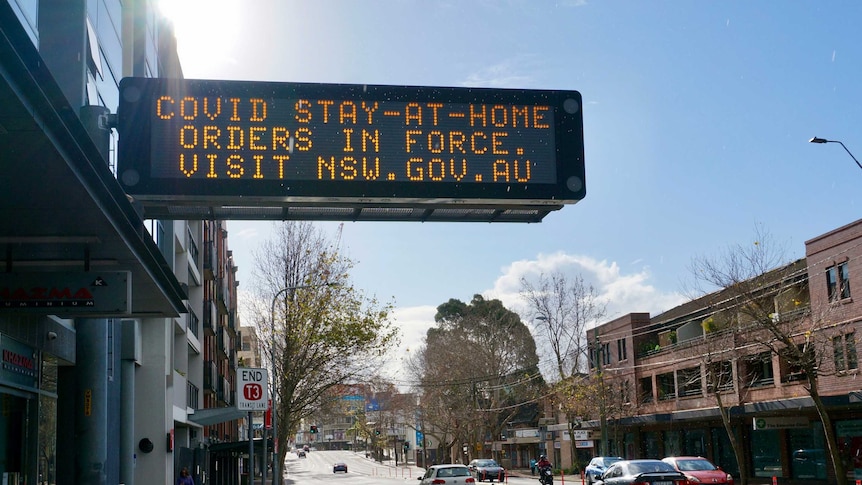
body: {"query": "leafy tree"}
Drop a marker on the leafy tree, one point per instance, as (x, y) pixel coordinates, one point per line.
(478, 366)
(317, 331)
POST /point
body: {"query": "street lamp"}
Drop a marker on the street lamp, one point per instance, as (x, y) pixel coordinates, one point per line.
(276, 467)
(824, 140)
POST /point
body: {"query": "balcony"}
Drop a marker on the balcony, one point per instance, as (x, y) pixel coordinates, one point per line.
(210, 261)
(210, 318)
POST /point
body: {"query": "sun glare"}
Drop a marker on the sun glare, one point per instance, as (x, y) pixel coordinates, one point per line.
(206, 32)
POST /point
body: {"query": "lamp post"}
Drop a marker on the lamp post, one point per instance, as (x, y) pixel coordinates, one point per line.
(276, 467)
(824, 140)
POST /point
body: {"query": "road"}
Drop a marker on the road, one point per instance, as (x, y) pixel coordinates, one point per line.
(316, 468)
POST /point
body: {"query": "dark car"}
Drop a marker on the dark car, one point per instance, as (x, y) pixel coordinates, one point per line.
(339, 467)
(300, 454)
(642, 472)
(486, 469)
(700, 470)
(598, 465)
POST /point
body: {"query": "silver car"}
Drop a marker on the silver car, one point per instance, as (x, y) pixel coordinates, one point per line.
(447, 475)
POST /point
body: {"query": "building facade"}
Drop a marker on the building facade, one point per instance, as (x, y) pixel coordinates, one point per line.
(107, 321)
(665, 372)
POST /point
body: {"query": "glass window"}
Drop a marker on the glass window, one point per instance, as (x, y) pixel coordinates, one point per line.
(766, 453)
(645, 389)
(807, 452)
(666, 388)
(844, 352)
(758, 370)
(689, 382)
(838, 281)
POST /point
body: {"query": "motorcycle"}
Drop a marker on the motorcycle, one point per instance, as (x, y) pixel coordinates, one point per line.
(546, 475)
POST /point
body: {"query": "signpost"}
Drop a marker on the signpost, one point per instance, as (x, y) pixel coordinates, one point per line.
(252, 394)
(258, 150)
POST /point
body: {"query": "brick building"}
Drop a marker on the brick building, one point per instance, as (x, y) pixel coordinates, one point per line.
(664, 371)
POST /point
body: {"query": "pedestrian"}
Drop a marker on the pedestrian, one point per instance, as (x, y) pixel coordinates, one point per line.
(185, 478)
(532, 466)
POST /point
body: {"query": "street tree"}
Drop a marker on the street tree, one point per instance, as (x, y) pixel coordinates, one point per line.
(561, 308)
(316, 330)
(773, 312)
(477, 368)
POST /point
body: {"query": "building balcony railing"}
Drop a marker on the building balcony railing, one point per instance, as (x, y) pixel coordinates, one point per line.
(210, 261)
(192, 396)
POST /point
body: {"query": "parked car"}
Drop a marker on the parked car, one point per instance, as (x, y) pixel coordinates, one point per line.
(487, 469)
(642, 472)
(446, 475)
(598, 465)
(339, 467)
(700, 470)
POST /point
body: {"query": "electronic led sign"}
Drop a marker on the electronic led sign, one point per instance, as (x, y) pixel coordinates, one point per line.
(335, 145)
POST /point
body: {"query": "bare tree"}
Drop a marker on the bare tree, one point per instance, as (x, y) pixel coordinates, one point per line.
(562, 308)
(317, 331)
(773, 312)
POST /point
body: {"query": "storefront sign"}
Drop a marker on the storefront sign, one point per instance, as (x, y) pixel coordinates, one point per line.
(19, 364)
(798, 422)
(67, 293)
(584, 444)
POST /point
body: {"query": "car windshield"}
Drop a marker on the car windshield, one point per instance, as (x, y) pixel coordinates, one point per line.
(650, 467)
(694, 465)
(486, 463)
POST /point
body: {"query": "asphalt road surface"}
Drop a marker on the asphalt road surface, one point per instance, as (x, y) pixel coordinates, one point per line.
(316, 468)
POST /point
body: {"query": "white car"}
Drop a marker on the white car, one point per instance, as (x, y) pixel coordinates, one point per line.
(447, 475)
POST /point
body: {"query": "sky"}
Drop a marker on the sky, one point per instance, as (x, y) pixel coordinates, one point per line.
(697, 117)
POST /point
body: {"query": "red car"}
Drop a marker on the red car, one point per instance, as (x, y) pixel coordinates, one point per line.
(700, 470)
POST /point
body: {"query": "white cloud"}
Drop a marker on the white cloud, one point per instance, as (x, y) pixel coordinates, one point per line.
(623, 292)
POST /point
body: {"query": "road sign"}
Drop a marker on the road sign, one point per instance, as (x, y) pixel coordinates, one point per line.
(293, 146)
(252, 391)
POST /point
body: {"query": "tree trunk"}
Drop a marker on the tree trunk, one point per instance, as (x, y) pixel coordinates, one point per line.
(728, 428)
(828, 430)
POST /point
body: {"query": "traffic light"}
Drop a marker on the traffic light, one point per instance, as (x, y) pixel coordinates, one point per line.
(314, 430)
(376, 432)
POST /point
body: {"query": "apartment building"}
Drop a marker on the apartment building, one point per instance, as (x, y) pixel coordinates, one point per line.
(666, 371)
(106, 320)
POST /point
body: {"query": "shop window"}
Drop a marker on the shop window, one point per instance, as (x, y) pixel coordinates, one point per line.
(719, 376)
(689, 382)
(666, 387)
(844, 352)
(838, 281)
(645, 385)
(766, 453)
(807, 452)
(758, 370)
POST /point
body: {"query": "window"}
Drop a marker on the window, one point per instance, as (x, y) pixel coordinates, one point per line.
(838, 282)
(720, 376)
(689, 382)
(844, 351)
(606, 354)
(666, 387)
(795, 363)
(622, 352)
(645, 389)
(758, 370)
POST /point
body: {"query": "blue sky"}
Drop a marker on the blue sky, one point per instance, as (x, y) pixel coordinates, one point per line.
(697, 117)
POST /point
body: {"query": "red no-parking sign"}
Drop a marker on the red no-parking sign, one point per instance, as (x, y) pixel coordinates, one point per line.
(252, 391)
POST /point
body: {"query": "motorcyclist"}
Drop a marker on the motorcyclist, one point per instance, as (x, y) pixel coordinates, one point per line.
(542, 465)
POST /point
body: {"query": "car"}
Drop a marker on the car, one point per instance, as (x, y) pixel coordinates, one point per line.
(698, 469)
(446, 475)
(339, 467)
(300, 453)
(487, 469)
(642, 472)
(598, 465)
